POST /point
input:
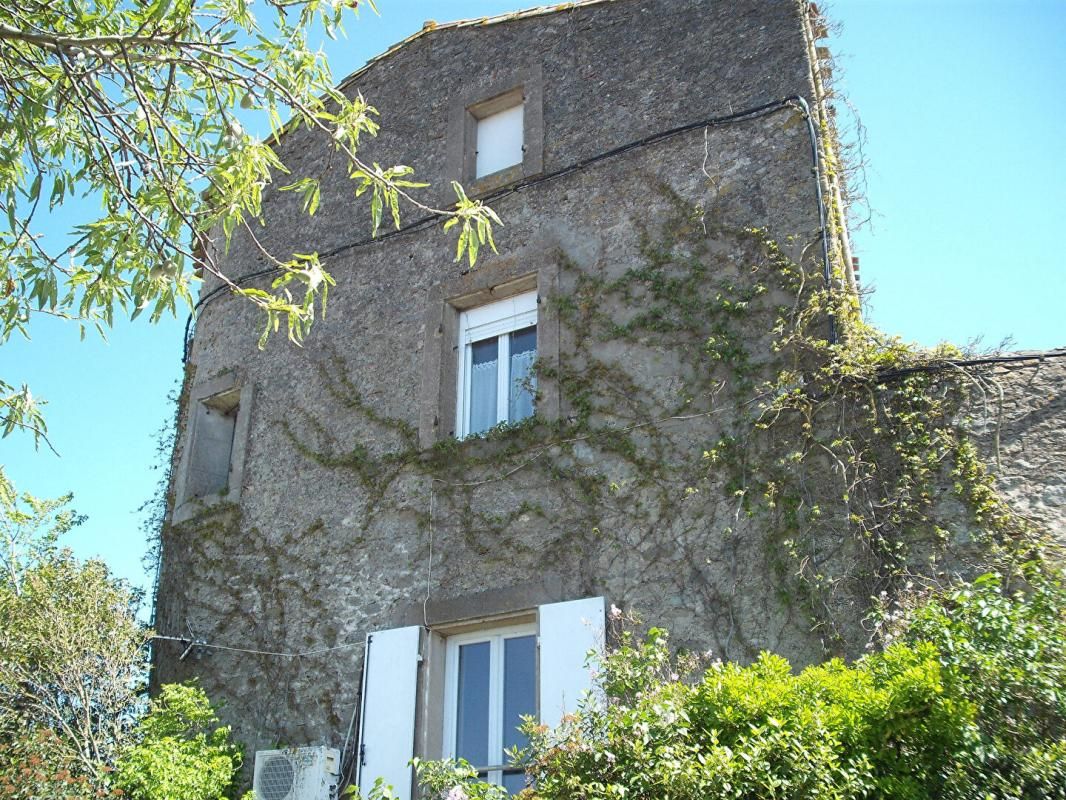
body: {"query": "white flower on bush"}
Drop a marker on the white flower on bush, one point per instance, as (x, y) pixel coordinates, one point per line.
(456, 793)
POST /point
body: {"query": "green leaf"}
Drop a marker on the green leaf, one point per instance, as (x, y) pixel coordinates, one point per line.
(35, 188)
(375, 210)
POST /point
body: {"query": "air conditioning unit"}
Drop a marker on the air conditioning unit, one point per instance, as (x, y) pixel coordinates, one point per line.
(299, 773)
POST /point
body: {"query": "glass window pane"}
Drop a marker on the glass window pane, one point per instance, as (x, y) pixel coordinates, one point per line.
(524, 340)
(514, 782)
(482, 401)
(472, 706)
(523, 382)
(519, 687)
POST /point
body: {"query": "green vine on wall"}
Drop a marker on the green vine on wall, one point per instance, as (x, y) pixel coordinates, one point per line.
(707, 426)
(849, 469)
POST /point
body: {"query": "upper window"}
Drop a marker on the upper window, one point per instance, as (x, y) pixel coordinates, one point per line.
(497, 348)
(500, 137)
(491, 683)
(212, 461)
(212, 444)
(496, 129)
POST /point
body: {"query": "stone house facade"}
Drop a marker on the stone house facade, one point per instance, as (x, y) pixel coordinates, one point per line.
(400, 536)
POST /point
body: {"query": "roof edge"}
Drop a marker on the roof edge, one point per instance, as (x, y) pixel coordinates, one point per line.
(430, 27)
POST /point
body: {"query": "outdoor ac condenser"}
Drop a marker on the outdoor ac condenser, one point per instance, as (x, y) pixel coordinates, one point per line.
(299, 773)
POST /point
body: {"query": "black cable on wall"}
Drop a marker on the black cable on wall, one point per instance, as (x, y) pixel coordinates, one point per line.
(755, 112)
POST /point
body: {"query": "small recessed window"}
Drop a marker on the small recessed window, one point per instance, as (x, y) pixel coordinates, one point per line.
(212, 445)
(497, 348)
(499, 140)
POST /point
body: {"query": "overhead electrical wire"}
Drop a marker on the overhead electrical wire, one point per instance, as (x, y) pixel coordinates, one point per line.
(191, 642)
(755, 112)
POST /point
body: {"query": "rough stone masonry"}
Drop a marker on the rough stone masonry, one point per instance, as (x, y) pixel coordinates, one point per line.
(351, 507)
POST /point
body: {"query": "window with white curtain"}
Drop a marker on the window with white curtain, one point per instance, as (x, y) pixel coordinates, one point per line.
(534, 665)
(497, 348)
(491, 683)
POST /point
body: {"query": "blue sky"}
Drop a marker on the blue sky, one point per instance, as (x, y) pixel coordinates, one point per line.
(966, 178)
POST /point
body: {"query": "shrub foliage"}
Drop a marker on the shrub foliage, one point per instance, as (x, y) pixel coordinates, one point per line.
(73, 669)
(966, 700)
(182, 752)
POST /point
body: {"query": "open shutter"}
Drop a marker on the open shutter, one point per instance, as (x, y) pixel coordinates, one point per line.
(387, 726)
(567, 632)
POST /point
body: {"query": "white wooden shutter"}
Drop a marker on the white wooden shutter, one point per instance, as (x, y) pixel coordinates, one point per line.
(567, 632)
(387, 727)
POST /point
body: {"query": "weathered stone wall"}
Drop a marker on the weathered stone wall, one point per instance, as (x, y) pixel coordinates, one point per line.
(327, 543)
(669, 277)
(1017, 417)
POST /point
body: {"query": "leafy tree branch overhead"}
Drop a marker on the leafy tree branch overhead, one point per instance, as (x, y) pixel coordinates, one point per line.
(135, 106)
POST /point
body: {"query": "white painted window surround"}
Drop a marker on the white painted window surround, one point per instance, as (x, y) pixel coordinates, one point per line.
(558, 645)
(500, 137)
(496, 350)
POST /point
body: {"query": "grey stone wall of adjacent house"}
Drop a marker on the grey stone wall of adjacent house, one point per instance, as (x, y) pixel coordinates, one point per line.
(354, 514)
(1017, 418)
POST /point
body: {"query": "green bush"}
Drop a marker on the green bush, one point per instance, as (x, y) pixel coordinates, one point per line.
(882, 727)
(182, 753)
(1003, 648)
(966, 701)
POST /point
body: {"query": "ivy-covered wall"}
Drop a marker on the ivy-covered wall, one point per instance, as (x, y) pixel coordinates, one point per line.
(700, 453)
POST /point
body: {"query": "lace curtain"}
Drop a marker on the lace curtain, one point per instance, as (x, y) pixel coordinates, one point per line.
(520, 403)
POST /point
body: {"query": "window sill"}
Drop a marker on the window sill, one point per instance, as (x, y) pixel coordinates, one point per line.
(496, 180)
(504, 439)
(504, 431)
(199, 506)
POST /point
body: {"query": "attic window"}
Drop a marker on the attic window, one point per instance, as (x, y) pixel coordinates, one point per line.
(500, 137)
(495, 131)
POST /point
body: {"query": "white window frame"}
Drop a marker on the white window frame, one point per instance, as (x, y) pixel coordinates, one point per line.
(495, 637)
(485, 322)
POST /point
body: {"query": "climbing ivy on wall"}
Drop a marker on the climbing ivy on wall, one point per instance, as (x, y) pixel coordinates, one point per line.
(833, 453)
(706, 423)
